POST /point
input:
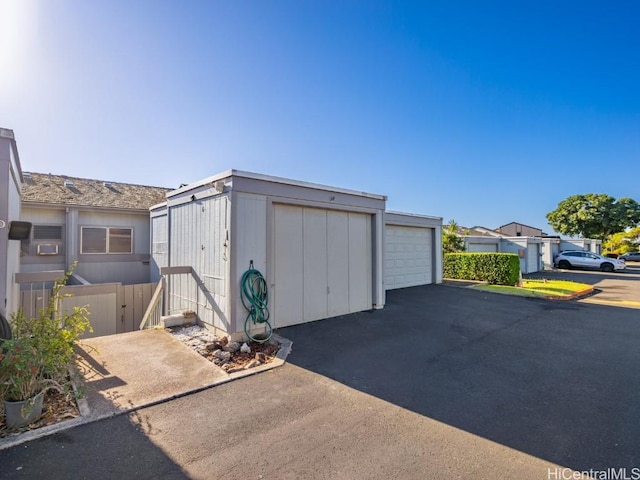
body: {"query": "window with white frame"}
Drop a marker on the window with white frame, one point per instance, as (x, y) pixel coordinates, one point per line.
(106, 240)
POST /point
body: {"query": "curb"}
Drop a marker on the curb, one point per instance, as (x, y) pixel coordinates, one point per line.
(85, 411)
(573, 296)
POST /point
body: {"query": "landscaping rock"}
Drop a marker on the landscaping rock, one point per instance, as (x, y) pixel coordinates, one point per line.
(231, 347)
(245, 348)
(221, 355)
(261, 357)
(213, 346)
(252, 363)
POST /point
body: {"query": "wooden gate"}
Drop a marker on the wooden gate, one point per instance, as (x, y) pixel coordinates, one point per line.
(113, 307)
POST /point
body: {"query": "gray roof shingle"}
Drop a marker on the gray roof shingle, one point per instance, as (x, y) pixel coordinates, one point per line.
(65, 190)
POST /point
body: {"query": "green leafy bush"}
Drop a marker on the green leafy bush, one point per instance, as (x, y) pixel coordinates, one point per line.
(42, 349)
(494, 268)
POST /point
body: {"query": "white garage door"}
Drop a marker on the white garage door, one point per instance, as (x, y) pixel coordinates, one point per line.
(322, 265)
(482, 247)
(533, 258)
(408, 256)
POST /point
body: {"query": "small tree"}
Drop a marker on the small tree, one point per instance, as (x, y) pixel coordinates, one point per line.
(623, 242)
(451, 241)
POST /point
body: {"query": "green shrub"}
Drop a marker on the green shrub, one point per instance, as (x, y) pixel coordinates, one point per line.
(42, 349)
(494, 268)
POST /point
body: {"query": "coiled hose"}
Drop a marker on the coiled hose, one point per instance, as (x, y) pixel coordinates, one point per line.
(255, 298)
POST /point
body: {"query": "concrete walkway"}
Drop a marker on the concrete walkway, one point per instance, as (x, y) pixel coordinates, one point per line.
(126, 372)
(136, 369)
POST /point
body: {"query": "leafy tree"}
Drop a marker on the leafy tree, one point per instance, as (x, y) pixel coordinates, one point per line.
(623, 242)
(594, 215)
(451, 242)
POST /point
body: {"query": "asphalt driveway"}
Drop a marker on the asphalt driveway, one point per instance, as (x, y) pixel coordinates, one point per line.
(622, 288)
(557, 380)
(442, 383)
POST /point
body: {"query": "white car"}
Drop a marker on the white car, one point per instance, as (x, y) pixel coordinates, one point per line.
(579, 259)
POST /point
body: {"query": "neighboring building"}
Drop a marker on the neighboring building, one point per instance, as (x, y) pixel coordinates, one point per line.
(323, 251)
(102, 225)
(515, 229)
(10, 191)
(536, 249)
(528, 249)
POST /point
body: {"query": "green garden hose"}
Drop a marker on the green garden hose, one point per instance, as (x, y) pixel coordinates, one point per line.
(254, 296)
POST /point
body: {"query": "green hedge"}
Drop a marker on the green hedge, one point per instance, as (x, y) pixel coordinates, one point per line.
(495, 268)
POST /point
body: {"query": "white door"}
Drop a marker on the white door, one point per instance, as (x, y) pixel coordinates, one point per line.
(322, 264)
(533, 258)
(408, 256)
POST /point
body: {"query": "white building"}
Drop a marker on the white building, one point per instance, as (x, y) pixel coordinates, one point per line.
(10, 193)
(324, 251)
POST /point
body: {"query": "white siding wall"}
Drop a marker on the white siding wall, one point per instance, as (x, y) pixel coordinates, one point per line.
(250, 243)
(481, 247)
(577, 244)
(13, 246)
(159, 245)
(43, 216)
(198, 236)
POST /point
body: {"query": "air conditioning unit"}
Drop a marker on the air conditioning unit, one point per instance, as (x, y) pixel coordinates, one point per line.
(47, 249)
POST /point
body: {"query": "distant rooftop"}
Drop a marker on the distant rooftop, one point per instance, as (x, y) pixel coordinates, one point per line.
(476, 231)
(65, 190)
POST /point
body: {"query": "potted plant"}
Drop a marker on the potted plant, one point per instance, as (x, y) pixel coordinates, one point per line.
(38, 357)
(23, 381)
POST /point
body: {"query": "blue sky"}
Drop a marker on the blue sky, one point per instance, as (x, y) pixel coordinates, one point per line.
(483, 112)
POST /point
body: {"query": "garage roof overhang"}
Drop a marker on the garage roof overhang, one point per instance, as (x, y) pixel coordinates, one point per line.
(411, 220)
(247, 182)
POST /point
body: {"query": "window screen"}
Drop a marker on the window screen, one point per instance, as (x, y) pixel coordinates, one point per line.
(94, 240)
(119, 240)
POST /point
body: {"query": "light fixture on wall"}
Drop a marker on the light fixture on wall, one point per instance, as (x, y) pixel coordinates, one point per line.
(219, 186)
(19, 230)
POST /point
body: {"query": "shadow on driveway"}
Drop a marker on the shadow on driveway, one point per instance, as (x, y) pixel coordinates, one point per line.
(556, 380)
(114, 448)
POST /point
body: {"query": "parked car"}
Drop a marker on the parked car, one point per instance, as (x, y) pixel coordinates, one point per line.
(630, 257)
(578, 259)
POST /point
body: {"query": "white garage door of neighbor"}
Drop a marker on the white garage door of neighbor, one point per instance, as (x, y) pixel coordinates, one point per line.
(533, 258)
(322, 265)
(408, 256)
(482, 247)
